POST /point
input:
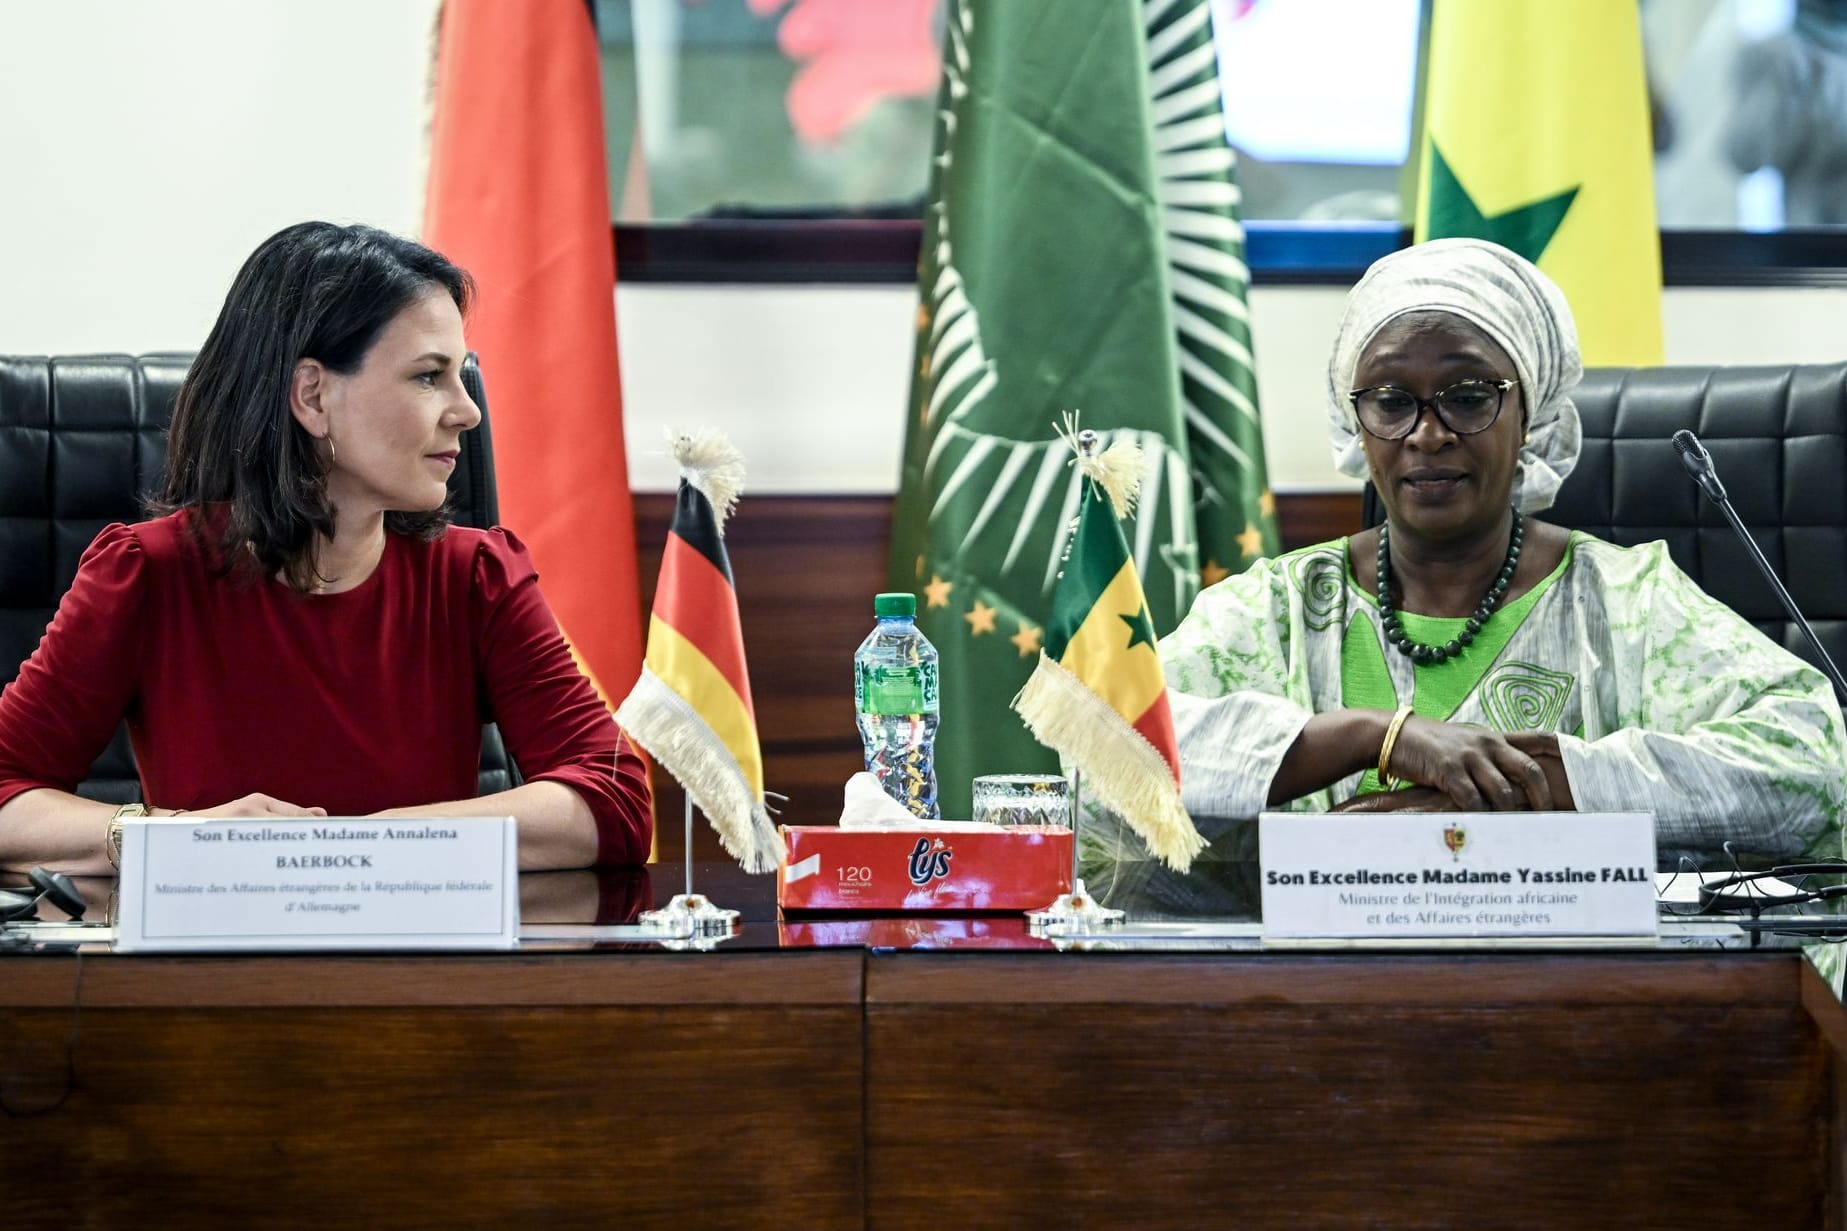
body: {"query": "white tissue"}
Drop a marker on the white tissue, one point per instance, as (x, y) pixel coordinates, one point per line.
(867, 806)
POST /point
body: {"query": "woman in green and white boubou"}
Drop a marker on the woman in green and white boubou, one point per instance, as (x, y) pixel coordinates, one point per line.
(1474, 656)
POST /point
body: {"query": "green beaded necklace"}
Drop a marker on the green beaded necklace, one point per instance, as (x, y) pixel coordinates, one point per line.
(1429, 655)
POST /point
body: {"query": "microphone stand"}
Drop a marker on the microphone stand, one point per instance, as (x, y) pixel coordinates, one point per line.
(1698, 463)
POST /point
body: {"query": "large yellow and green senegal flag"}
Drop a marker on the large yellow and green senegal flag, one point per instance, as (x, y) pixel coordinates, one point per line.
(1082, 250)
(1098, 696)
(691, 708)
(1536, 136)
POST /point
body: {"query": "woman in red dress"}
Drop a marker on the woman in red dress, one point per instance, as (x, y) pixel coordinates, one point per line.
(302, 634)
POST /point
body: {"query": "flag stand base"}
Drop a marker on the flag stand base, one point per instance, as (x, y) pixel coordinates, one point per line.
(1076, 909)
(690, 914)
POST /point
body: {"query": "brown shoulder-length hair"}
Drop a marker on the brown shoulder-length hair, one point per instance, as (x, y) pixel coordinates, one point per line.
(311, 291)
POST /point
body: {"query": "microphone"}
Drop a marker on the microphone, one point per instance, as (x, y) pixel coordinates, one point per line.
(1698, 463)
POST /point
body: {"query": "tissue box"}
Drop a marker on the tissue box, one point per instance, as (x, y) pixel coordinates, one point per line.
(830, 868)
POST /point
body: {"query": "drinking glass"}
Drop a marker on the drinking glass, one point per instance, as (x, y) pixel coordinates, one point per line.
(1022, 799)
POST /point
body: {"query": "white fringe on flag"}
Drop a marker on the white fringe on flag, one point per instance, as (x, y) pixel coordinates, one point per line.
(710, 462)
(1128, 775)
(660, 720)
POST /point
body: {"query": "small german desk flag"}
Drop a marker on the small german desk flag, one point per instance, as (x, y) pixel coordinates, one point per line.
(1098, 697)
(691, 708)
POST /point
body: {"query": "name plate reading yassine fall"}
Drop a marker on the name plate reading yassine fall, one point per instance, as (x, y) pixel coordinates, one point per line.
(1424, 874)
(332, 883)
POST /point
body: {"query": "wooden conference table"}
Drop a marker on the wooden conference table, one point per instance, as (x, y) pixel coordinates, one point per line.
(865, 1074)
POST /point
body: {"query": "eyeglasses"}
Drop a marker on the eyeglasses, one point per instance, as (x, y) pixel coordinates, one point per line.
(1465, 408)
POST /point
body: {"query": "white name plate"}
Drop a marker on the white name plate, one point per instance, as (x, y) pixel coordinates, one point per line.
(332, 883)
(1409, 874)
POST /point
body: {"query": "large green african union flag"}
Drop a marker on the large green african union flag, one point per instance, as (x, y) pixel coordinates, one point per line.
(1082, 251)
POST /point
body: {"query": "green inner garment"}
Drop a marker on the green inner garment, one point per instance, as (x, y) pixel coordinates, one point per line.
(1439, 688)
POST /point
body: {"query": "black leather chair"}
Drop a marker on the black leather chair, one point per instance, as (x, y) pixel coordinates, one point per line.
(1778, 438)
(82, 443)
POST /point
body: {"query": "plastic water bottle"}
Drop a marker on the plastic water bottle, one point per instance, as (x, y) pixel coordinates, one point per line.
(895, 695)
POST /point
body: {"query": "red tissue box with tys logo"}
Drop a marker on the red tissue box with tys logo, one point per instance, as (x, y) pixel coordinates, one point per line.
(830, 868)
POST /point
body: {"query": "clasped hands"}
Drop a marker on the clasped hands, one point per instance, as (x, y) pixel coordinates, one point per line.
(1454, 767)
(252, 805)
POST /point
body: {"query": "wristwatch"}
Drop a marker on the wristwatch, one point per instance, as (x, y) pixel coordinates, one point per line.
(112, 843)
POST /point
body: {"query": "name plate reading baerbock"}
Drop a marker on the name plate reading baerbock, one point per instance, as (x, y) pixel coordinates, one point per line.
(1414, 874)
(333, 883)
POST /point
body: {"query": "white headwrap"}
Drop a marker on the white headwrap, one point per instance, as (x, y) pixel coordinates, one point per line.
(1505, 296)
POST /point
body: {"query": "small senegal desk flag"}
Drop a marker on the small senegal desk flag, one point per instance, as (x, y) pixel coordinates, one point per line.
(691, 707)
(1098, 697)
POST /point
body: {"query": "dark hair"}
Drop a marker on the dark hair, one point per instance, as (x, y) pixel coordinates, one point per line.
(311, 291)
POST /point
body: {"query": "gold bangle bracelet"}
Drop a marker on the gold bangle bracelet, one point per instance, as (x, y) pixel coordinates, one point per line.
(112, 837)
(1385, 750)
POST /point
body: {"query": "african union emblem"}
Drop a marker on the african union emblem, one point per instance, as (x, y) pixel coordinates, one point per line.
(1455, 837)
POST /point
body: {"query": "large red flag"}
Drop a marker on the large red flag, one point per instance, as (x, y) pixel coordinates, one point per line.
(518, 197)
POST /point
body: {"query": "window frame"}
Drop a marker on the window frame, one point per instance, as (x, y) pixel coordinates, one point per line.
(884, 252)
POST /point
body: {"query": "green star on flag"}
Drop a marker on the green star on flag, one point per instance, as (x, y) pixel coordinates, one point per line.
(1141, 628)
(1526, 229)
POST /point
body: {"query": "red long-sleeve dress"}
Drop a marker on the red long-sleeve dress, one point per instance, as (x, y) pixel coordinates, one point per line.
(367, 699)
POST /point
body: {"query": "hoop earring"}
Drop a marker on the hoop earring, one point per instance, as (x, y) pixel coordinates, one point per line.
(333, 454)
